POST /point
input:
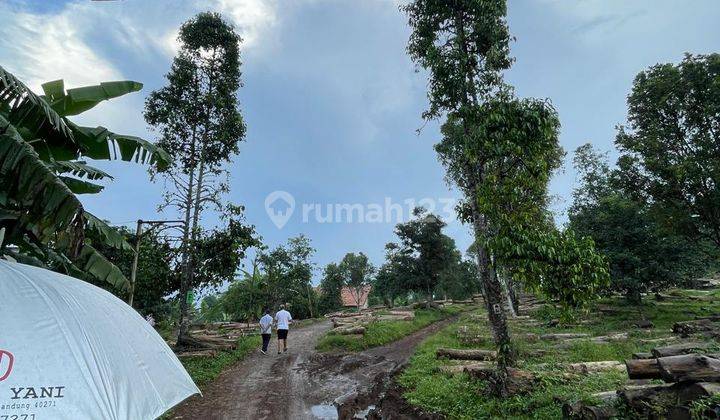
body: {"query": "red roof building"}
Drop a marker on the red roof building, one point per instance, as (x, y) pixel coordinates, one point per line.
(349, 298)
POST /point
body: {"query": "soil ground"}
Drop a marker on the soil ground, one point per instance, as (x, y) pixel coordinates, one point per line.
(302, 383)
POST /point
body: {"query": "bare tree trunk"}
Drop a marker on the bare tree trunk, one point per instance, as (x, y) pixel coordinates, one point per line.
(508, 294)
(185, 280)
(513, 294)
(492, 290)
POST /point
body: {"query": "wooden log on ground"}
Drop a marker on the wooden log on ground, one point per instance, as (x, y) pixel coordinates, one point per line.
(198, 353)
(592, 367)
(598, 412)
(349, 330)
(645, 398)
(465, 354)
(456, 369)
(689, 367)
(642, 355)
(678, 349)
(479, 371)
(687, 328)
(563, 336)
(643, 369)
(658, 340)
(462, 302)
(694, 391)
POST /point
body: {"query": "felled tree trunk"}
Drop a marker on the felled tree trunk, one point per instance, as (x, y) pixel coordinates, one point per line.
(678, 349)
(642, 368)
(689, 367)
(466, 354)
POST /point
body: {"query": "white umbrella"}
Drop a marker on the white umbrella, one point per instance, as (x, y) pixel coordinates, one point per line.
(70, 350)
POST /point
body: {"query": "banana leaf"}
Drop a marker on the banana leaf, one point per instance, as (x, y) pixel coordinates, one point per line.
(100, 143)
(28, 182)
(23, 108)
(81, 99)
(79, 169)
(92, 262)
(78, 186)
(110, 235)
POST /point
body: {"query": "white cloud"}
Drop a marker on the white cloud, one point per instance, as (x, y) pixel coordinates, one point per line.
(252, 18)
(43, 48)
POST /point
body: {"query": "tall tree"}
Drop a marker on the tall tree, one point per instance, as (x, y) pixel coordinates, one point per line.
(672, 140)
(357, 275)
(465, 47)
(331, 289)
(201, 126)
(289, 274)
(424, 251)
(500, 151)
(644, 254)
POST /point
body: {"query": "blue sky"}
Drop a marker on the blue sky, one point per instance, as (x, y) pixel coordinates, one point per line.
(332, 102)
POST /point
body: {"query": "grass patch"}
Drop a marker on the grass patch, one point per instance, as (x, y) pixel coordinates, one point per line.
(204, 370)
(379, 333)
(460, 397)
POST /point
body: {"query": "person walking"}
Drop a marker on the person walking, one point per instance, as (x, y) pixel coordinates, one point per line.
(266, 323)
(283, 319)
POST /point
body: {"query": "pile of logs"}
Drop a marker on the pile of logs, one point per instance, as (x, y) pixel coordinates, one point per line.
(707, 326)
(688, 376)
(355, 323)
(208, 339)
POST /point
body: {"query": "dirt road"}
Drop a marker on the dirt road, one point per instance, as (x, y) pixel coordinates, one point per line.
(300, 384)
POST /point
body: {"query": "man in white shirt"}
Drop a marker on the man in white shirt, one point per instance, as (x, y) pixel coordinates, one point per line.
(283, 319)
(265, 330)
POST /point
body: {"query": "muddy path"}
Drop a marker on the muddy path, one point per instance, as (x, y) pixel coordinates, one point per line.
(302, 383)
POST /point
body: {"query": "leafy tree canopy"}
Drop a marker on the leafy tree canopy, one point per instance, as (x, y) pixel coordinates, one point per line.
(672, 141)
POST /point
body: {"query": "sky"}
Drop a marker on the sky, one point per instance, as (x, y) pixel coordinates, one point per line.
(333, 104)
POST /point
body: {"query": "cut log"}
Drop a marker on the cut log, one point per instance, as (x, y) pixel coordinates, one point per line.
(689, 367)
(465, 354)
(687, 328)
(479, 371)
(645, 398)
(644, 323)
(658, 340)
(591, 367)
(678, 349)
(598, 412)
(643, 369)
(694, 391)
(466, 301)
(403, 313)
(642, 355)
(563, 336)
(349, 330)
(455, 369)
(199, 353)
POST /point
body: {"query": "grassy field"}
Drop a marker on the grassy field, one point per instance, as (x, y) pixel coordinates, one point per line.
(379, 333)
(460, 397)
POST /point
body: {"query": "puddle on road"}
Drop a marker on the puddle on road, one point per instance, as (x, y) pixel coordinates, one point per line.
(329, 412)
(324, 412)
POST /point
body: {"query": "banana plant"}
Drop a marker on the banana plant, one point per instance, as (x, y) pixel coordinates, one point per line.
(43, 168)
